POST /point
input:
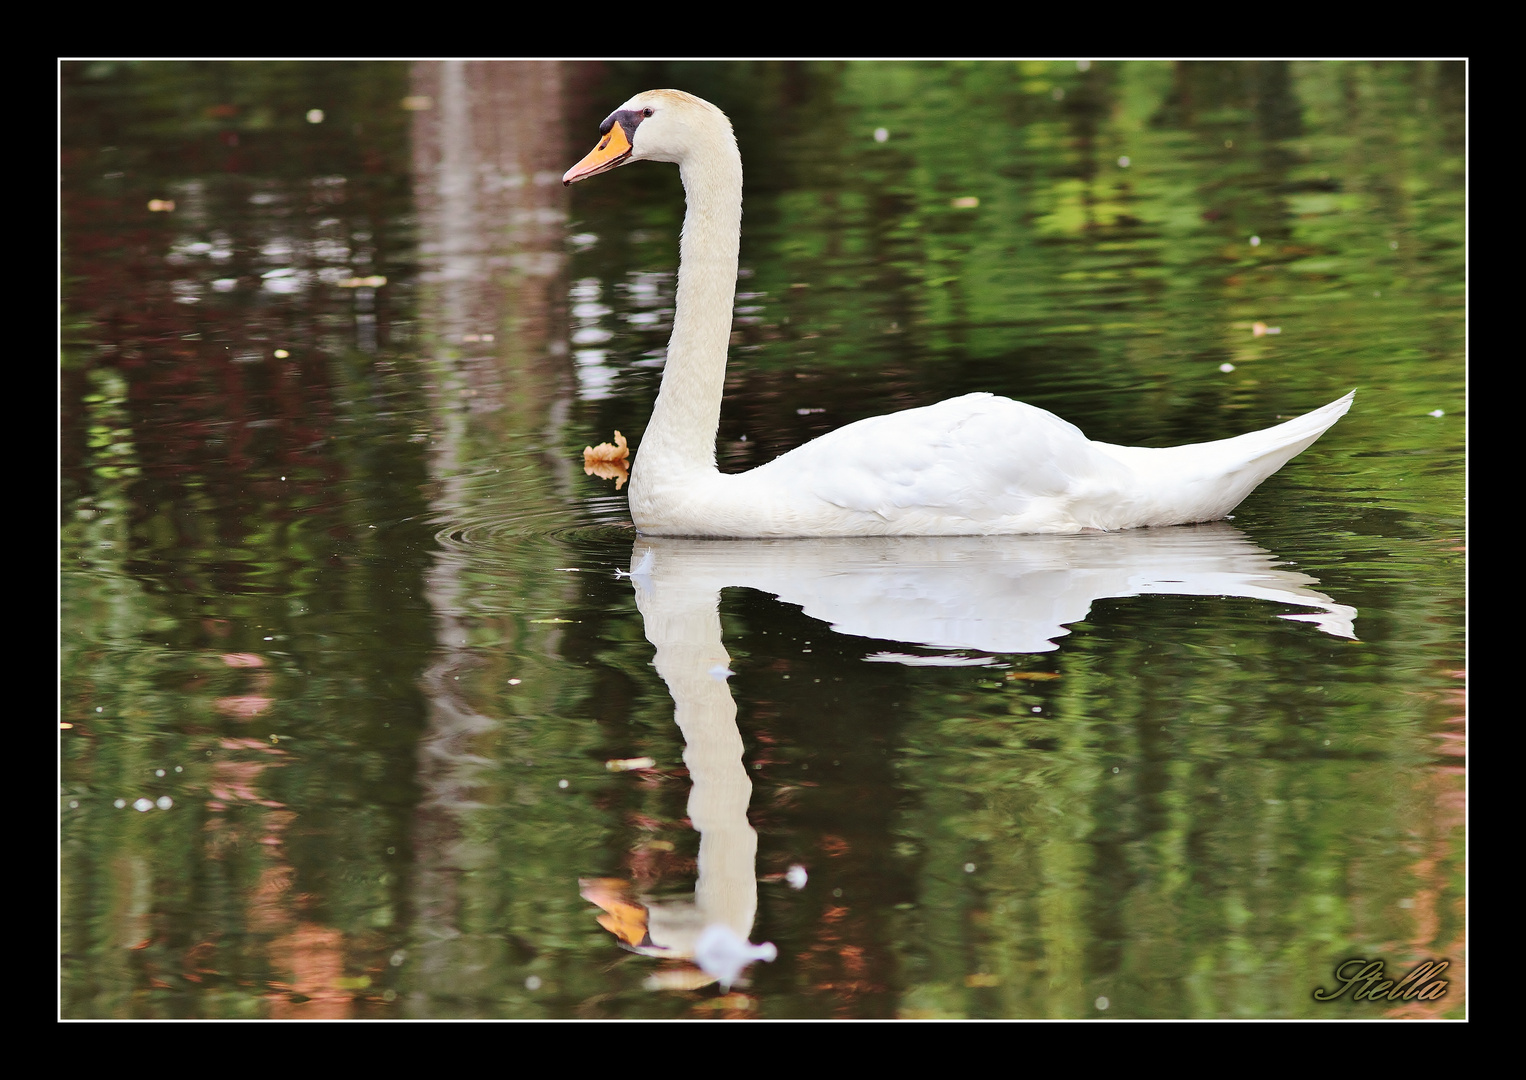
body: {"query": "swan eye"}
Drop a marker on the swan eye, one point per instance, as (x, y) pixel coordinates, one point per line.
(646, 111)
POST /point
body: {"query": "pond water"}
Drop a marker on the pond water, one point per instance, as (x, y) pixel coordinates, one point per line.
(374, 705)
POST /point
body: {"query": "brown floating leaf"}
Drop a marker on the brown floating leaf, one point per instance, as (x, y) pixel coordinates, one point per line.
(608, 461)
(605, 452)
(624, 916)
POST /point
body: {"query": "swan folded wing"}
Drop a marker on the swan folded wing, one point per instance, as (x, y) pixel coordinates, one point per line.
(973, 464)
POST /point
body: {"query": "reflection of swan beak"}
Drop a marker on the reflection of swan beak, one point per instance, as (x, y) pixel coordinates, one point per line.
(611, 152)
(723, 954)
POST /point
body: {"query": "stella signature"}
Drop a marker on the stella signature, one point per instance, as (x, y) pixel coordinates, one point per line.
(1365, 978)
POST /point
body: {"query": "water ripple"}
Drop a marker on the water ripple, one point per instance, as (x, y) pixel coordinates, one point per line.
(493, 532)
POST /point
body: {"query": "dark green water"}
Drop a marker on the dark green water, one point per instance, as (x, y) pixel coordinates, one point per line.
(346, 642)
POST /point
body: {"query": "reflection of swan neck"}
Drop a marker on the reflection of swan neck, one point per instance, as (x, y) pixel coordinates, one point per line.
(684, 623)
(681, 434)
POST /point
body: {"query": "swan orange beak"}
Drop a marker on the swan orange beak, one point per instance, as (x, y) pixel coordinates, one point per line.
(613, 151)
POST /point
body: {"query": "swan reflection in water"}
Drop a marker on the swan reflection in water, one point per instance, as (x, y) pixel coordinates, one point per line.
(947, 595)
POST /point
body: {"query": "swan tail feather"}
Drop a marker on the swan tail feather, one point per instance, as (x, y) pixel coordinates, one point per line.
(1205, 481)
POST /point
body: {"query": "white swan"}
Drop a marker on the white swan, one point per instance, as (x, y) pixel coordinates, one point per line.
(978, 464)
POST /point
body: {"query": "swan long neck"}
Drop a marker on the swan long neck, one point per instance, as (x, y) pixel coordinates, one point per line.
(681, 434)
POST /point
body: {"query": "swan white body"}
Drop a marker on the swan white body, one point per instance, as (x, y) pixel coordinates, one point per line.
(973, 465)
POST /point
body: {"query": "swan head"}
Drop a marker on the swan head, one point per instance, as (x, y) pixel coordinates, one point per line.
(656, 125)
